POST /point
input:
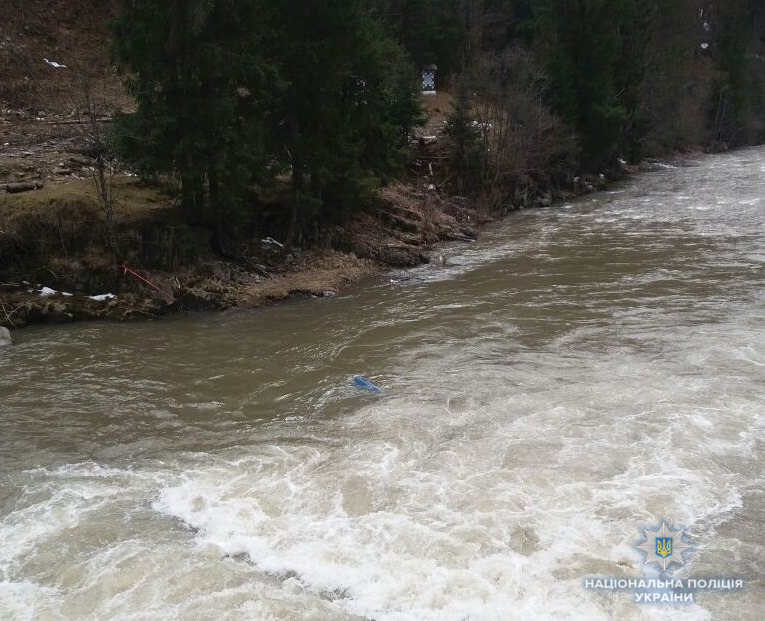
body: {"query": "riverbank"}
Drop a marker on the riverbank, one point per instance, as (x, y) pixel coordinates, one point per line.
(56, 264)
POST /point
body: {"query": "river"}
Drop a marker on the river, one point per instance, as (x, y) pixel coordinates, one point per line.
(580, 374)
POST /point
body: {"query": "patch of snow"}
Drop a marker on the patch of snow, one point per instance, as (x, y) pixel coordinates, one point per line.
(54, 64)
(102, 297)
(65, 294)
(45, 291)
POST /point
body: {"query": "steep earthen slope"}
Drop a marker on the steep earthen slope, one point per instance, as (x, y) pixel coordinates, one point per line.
(66, 32)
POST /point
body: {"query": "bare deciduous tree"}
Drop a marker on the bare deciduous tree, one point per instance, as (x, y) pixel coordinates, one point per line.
(104, 166)
(518, 131)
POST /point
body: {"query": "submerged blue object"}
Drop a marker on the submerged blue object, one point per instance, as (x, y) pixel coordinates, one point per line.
(365, 384)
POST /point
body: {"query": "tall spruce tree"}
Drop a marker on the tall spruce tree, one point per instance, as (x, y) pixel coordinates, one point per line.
(431, 31)
(733, 29)
(675, 89)
(196, 72)
(350, 95)
(583, 47)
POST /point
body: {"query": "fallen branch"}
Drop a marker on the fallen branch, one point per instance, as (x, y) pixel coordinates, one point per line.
(76, 121)
(10, 314)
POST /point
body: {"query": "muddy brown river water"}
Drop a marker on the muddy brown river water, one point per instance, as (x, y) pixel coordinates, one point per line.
(580, 374)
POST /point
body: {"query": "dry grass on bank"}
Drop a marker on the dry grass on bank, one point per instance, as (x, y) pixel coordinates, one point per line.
(77, 201)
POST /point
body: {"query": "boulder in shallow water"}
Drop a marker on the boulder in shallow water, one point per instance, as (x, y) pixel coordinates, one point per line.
(5, 337)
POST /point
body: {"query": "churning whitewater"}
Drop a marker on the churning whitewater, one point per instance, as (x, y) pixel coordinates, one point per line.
(581, 374)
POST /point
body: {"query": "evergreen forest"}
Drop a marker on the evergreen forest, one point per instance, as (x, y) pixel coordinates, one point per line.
(297, 112)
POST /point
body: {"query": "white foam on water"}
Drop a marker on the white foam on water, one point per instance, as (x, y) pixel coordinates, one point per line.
(494, 509)
(498, 507)
(83, 543)
(376, 535)
(21, 601)
(431, 523)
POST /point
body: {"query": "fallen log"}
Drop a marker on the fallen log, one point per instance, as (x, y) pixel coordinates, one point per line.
(75, 121)
(23, 186)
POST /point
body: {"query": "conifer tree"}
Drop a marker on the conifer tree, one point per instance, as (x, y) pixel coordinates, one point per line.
(229, 92)
(431, 31)
(675, 88)
(196, 72)
(350, 95)
(732, 26)
(582, 45)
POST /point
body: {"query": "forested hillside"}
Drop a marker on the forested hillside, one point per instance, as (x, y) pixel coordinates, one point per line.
(233, 94)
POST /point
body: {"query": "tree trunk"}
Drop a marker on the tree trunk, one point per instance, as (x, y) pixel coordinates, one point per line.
(217, 210)
(298, 175)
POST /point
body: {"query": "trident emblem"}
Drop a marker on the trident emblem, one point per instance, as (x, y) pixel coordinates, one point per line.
(663, 546)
